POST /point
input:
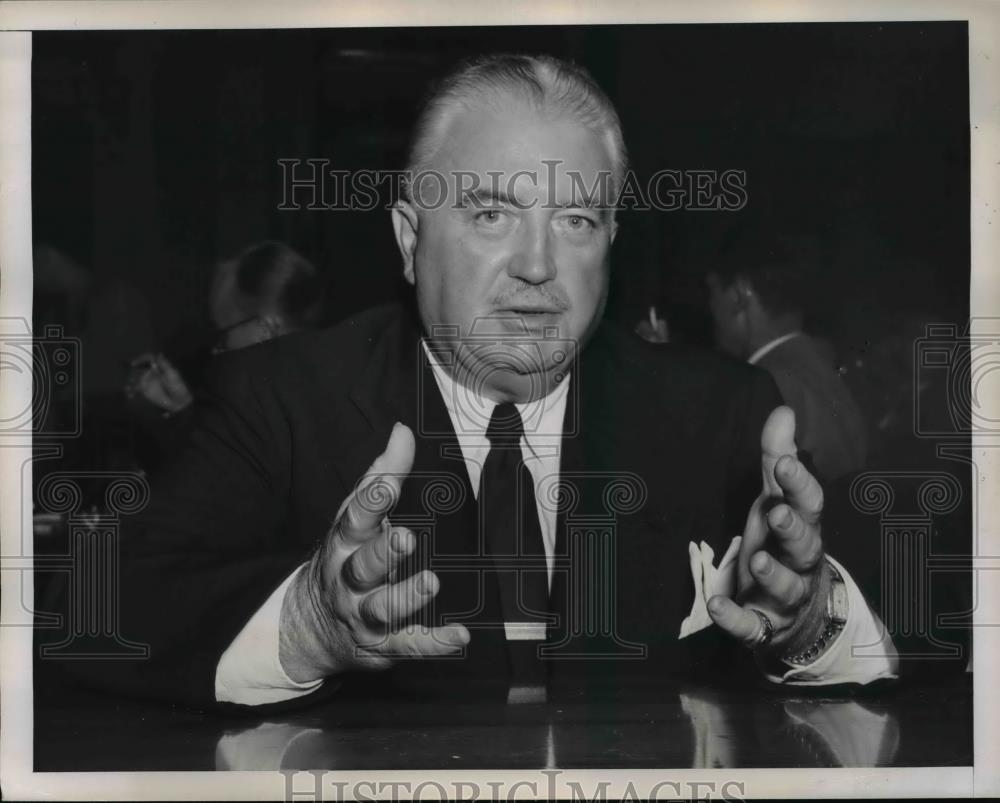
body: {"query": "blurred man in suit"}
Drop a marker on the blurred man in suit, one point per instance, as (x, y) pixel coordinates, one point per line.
(495, 488)
(756, 289)
(268, 290)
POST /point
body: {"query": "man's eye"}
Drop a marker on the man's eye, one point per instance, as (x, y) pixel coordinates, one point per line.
(489, 217)
(577, 223)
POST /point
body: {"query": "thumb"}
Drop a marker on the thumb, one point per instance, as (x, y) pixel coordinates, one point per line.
(739, 622)
(379, 488)
(776, 440)
(397, 459)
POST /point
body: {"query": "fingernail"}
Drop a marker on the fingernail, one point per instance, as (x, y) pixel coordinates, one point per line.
(714, 607)
(785, 518)
(426, 583)
(401, 541)
(762, 564)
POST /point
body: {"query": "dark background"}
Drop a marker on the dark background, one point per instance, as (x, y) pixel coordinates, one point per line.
(155, 154)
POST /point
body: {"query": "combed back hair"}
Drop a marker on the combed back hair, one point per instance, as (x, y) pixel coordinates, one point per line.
(273, 273)
(544, 83)
(780, 269)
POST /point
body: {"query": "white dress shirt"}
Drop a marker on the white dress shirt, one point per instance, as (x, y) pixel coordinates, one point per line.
(770, 346)
(250, 672)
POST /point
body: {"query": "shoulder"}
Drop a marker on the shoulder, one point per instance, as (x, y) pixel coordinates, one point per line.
(802, 352)
(332, 354)
(671, 370)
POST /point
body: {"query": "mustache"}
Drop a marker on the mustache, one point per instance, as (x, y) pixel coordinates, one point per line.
(529, 297)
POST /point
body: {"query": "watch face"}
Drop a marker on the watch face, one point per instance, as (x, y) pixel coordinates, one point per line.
(838, 605)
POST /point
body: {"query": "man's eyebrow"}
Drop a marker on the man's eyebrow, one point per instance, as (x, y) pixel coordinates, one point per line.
(594, 204)
(482, 197)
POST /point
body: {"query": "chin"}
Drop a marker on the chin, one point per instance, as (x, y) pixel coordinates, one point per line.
(519, 388)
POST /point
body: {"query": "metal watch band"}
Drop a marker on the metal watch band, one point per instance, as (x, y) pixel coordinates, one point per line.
(837, 608)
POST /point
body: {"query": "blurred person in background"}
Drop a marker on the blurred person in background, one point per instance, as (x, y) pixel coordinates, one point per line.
(268, 291)
(757, 288)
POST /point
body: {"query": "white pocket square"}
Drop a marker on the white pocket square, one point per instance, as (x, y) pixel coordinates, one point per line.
(709, 580)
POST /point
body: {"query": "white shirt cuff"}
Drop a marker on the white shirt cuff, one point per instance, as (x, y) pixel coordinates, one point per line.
(861, 653)
(250, 671)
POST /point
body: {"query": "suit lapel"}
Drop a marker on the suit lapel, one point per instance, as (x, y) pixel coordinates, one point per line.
(437, 501)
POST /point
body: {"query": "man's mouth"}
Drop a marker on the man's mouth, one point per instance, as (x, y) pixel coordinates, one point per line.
(532, 309)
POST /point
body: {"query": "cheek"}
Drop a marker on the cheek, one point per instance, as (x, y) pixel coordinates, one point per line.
(584, 274)
(454, 278)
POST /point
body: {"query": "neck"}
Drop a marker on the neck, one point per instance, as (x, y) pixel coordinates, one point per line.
(767, 330)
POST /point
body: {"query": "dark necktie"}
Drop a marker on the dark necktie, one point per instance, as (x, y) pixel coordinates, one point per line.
(509, 518)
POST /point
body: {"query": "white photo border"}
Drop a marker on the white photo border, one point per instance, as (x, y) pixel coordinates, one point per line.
(18, 19)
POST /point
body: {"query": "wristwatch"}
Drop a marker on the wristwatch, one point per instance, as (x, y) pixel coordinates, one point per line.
(837, 608)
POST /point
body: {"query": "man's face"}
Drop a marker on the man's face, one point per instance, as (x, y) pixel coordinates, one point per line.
(520, 266)
(237, 325)
(728, 316)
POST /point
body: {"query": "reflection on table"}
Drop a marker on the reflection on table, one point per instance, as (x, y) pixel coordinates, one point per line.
(696, 727)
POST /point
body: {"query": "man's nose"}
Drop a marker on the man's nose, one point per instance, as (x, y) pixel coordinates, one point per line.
(533, 260)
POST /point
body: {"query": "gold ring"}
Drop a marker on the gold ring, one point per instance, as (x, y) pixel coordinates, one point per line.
(763, 633)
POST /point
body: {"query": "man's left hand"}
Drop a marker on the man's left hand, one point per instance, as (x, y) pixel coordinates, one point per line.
(781, 569)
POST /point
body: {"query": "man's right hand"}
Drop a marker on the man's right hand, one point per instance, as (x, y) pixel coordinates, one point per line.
(342, 610)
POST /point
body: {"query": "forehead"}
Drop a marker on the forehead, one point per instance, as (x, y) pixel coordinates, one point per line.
(535, 151)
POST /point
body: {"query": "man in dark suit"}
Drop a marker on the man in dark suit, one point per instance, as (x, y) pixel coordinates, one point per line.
(495, 492)
(756, 289)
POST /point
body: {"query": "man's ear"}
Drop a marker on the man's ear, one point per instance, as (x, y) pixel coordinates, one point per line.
(614, 230)
(405, 223)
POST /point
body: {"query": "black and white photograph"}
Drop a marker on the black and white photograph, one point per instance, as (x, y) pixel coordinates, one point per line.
(501, 406)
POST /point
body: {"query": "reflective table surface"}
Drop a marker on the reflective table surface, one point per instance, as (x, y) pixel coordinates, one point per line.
(916, 725)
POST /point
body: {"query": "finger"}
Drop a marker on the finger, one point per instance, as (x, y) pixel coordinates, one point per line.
(800, 488)
(416, 642)
(785, 587)
(390, 605)
(168, 370)
(369, 565)
(379, 489)
(776, 439)
(739, 622)
(800, 543)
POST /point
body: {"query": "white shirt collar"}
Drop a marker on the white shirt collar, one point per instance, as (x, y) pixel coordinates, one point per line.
(470, 413)
(767, 348)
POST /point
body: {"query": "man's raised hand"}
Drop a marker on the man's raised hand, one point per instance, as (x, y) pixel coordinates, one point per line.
(781, 570)
(343, 609)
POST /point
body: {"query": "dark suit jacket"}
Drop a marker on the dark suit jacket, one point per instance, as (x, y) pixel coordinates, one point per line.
(662, 447)
(829, 425)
